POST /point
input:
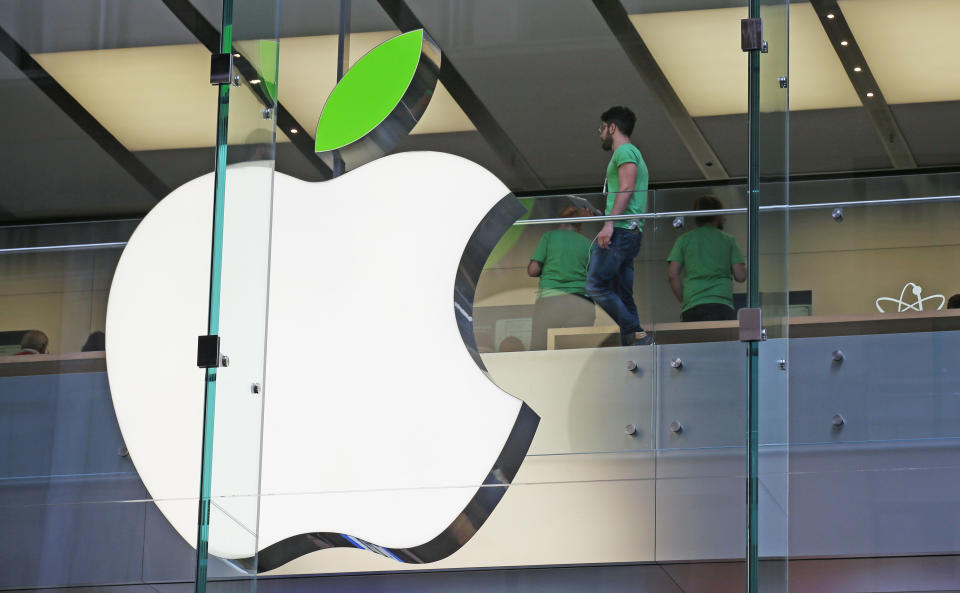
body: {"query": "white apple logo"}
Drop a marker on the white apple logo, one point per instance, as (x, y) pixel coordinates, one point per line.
(379, 428)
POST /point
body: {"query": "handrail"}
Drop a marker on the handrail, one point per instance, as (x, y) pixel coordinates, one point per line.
(648, 215)
(75, 247)
(769, 208)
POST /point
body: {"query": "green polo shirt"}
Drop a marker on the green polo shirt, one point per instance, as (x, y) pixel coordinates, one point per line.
(628, 153)
(563, 257)
(707, 254)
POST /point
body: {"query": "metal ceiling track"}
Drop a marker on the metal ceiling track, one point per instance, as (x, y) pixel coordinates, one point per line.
(32, 69)
(863, 81)
(639, 54)
(476, 111)
(208, 35)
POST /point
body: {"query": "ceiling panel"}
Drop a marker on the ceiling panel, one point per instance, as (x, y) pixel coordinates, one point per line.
(51, 168)
(932, 130)
(912, 46)
(43, 26)
(700, 54)
(546, 75)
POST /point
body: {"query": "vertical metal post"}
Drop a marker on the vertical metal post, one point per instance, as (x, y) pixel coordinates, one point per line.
(213, 311)
(343, 61)
(753, 301)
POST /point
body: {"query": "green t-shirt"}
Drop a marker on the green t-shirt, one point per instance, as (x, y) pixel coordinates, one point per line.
(628, 153)
(706, 253)
(563, 257)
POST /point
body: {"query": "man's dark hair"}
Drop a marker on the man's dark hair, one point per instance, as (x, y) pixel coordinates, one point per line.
(707, 203)
(954, 302)
(622, 116)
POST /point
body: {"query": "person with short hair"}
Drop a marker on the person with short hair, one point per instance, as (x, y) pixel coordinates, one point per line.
(560, 261)
(610, 273)
(33, 342)
(954, 302)
(702, 264)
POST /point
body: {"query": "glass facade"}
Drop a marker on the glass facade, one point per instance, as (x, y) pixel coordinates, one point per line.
(423, 380)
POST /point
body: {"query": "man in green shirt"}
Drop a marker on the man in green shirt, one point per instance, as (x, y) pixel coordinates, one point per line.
(560, 261)
(702, 264)
(610, 274)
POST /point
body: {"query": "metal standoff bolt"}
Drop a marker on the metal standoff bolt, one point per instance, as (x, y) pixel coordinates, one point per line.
(630, 430)
(837, 214)
(763, 335)
(122, 451)
(676, 427)
(678, 222)
(267, 113)
(782, 81)
(236, 80)
(837, 355)
(224, 360)
(632, 366)
(254, 388)
(676, 363)
(782, 364)
(838, 421)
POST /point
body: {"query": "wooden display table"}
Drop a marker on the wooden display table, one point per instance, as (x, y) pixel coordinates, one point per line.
(53, 364)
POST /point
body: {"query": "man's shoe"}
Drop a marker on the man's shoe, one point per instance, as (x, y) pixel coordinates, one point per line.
(642, 339)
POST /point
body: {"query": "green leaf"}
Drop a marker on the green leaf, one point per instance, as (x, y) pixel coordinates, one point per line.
(369, 91)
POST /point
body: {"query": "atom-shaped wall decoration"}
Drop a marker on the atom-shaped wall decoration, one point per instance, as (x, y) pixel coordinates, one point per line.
(915, 306)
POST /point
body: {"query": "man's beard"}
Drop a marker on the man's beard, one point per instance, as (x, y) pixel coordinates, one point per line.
(606, 143)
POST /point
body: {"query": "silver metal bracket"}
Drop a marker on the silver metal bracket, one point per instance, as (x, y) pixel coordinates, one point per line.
(751, 325)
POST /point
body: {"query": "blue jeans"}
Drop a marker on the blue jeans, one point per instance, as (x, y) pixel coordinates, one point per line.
(610, 280)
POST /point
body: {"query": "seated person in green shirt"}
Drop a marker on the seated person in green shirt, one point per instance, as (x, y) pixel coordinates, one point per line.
(702, 264)
(560, 260)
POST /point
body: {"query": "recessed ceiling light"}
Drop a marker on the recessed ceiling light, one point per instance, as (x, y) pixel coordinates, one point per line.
(844, 43)
(830, 15)
(296, 131)
(236, 55)
(255, 81)
(869, 94)
(857, 69)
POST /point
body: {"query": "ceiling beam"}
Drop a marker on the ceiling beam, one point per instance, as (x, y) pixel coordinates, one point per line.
(863, 81)
(472, 106)
(646, 65)
(32, 69)
(208, 35)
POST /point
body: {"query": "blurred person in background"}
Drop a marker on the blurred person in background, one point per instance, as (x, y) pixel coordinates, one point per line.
(560, 261)
(33, 342)
(96, 341)
(703, 263)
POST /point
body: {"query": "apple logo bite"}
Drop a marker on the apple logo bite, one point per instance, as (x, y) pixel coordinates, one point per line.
(380, 429)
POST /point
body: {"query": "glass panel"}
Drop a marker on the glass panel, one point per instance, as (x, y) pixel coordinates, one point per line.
(113, 111)
(605, 410)
(240, 276)
(770, 393)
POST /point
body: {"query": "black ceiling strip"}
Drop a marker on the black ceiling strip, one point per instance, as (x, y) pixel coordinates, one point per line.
(646, 65)
(22, 59)
(863, 81)
(476, 111)
(207, 34)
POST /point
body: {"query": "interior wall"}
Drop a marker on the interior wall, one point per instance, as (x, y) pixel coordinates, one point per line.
(63, 294)
(874, 252)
